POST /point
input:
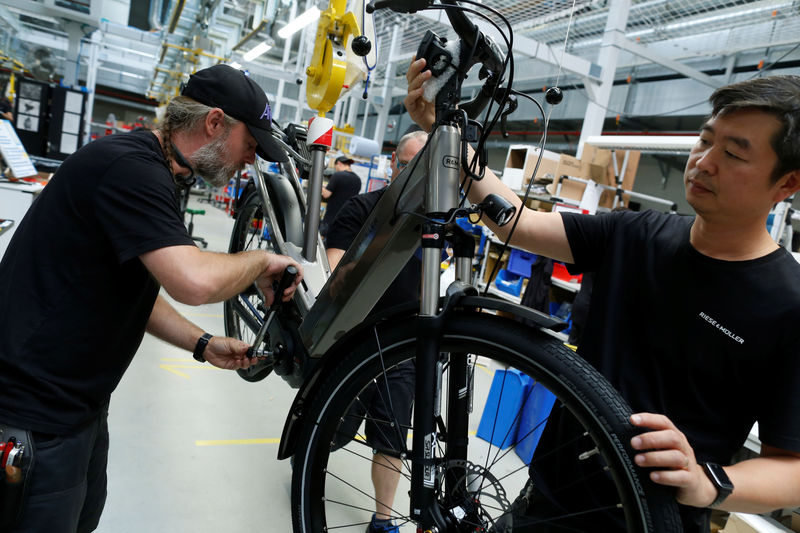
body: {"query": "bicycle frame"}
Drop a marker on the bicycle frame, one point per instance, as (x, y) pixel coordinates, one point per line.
(426, 189)
(412, 210)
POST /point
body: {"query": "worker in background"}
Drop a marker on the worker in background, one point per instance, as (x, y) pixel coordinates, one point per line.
(342, 185)
(399, 381)
(81, 277)
(704, 339)
(6, 109)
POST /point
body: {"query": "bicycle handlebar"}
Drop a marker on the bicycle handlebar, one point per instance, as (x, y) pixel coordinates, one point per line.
(486, 51)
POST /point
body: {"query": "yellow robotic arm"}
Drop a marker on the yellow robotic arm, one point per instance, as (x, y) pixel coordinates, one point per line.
(333, 66)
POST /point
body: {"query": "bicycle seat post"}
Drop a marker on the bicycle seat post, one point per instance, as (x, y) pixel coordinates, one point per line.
(320, 138)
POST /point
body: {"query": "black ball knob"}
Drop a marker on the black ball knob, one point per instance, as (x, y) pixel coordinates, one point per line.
(361, 45)
(553, 95)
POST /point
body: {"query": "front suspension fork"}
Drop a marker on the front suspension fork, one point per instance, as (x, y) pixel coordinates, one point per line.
(425, 481)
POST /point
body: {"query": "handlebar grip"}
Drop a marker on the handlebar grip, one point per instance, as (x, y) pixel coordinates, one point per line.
(287, 278)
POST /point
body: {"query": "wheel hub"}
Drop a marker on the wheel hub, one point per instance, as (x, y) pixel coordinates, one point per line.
(479, 501)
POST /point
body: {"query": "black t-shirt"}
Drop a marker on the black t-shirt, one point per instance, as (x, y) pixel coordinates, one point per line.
(711, 344)
(76, 298)
(345, 227)
(343, 186)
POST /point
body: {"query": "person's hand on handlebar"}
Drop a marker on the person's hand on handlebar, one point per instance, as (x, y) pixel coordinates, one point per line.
(272, 274)
(422, 112)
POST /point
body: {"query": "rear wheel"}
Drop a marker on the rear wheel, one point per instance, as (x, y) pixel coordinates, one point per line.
(243, 313)
(523, 380)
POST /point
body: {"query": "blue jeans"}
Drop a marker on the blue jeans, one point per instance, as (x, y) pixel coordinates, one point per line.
(68, 485)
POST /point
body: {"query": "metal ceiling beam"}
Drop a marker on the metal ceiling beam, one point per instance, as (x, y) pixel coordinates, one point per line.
(620, 41)
(176, 16)
(9, 19)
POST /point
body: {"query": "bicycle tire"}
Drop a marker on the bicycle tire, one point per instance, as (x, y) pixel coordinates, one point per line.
(251, 231)
(330, 492)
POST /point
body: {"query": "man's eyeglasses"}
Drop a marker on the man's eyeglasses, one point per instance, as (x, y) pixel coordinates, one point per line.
(401, 164)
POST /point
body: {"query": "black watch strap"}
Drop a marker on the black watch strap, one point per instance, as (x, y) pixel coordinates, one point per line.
(200, 347)
(720, 480)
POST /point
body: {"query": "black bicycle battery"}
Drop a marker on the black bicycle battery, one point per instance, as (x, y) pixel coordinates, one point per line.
(16, 465)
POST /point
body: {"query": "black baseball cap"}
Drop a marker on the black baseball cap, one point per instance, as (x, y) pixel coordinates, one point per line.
(239, 97)
(344, 160)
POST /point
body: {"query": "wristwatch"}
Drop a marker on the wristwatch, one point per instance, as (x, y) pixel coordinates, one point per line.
(200, 347)
(720, 480)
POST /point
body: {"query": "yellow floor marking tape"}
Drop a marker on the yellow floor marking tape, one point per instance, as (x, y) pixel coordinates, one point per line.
(235, 441)
(172, 368)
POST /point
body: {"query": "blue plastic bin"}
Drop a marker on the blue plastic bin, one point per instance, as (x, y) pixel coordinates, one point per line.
(562, 311)
(499, 420)
(469, 227)
(520, 262)
(538, 404)
(509, 282)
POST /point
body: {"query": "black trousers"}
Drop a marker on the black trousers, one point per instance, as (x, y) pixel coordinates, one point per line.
(67, 490)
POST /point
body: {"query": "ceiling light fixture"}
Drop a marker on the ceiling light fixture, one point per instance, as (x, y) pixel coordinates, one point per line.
(256, 51)
(300, 22)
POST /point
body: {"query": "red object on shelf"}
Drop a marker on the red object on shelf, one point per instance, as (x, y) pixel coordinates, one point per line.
(560, 272)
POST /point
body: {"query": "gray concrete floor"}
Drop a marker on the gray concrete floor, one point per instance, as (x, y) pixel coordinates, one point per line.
(193, 448)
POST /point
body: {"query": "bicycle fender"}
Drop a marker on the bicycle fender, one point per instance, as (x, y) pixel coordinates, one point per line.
(287, 207)
(285, 201)
(539, 318)
(295, 418)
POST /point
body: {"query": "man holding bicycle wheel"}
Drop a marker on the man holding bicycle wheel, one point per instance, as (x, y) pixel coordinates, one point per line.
(693, 319)
(80, 285)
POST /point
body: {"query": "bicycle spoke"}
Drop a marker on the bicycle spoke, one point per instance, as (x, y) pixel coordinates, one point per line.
(357, 490)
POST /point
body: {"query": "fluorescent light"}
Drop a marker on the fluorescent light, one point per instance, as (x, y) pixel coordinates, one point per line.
(235, 64)
(306, 18)
(257, 51)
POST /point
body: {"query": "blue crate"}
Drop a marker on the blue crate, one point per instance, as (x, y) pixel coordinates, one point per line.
(509, 282)
(469, 227)
(538, 404)
(499, 420)
(520, 262)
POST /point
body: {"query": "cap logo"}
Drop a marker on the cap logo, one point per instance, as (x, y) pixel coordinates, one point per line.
(267, 113)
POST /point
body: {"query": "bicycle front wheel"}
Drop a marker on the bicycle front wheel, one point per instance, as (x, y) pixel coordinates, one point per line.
(525, 387)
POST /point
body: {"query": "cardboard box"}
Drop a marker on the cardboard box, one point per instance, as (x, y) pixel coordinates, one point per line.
(630, 169)
(628, 177)
(577, 168)
(521, 161)
(596, 156)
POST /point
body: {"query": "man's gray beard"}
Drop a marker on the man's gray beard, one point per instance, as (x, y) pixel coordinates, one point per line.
(209, 163)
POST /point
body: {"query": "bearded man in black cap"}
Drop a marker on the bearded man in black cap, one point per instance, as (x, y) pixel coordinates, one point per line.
(80, 286)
